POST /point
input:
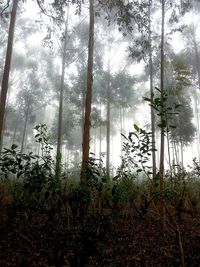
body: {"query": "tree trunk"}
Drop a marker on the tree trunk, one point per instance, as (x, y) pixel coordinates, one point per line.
(121, 131)
(108, 119)
(88, 97)
(108, 133)
(24, 130)
(14, 134)
(83, 107)
(162, 131)
(196, 99)
(197, 122)
(60, 115)
(100, 130)
(151, 95)
(6, 72)
(181, 145)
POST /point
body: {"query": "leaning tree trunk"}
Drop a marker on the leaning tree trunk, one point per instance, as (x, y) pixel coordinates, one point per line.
(88, 97)
(6, 72)
(60, 114)
(151, 95)
(162, 117)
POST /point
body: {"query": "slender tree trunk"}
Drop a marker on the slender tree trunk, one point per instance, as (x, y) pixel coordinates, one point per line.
(108, 134)
(14, 134)
(121, 130)
(162, 133)
(108, 119)
(60, 114)
(169, 158)
(196, 99)
(181, 145)
(176, 153)
(100, 134)
(197, 122)
(95, 133)
(151, 95)
(88, 98)
(6, 72)
(24, 130)
(83, 107)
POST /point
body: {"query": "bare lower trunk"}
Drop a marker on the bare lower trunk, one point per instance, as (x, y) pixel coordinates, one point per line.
(24, 131)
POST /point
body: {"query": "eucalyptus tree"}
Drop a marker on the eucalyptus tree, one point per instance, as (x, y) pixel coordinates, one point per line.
(60, 119)
(6, 71)
(192, 57)
(88, 96)
(180, 93)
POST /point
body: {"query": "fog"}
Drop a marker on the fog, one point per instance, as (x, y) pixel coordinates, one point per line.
(120, 77)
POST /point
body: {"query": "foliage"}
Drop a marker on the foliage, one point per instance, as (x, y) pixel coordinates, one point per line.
(36, 171)
(137, 152)
(15, 162)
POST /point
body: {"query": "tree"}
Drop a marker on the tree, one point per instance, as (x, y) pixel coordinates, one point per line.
(88, 98)
(60, 115)
(162, 118)
(5, 79)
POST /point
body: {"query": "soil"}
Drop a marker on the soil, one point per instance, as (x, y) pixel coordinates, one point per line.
(34, 236)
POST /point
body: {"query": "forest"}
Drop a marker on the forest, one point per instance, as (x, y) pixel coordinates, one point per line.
(100, 133)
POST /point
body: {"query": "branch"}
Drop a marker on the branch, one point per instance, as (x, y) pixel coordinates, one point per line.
(7, 5)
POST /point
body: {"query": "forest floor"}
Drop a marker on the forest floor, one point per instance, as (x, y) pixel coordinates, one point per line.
(35, 235)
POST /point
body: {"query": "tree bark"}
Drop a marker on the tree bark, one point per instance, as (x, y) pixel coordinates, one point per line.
(60, 114)
(108, 118)
(24, 129)
(100, 130)
(6, 72)
(196, 99)
(162, 131)
(88, 97)
(151, 95)
(108, 131)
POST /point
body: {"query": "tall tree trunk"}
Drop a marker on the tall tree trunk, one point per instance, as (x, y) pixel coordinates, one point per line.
(121, 131)
(108, 119)
(181, 146)
(60, 114)
(151, 94)
(6, 72)
(88, 97)
(196, 99)
(197, 121)
(162, 117)
(108, 133)
(100, 134)
(83, 107)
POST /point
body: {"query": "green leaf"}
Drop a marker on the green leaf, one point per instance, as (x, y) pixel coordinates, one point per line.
(13, 147)
(136, 127)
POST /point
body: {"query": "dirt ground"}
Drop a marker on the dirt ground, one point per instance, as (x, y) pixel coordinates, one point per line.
(38, 236)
